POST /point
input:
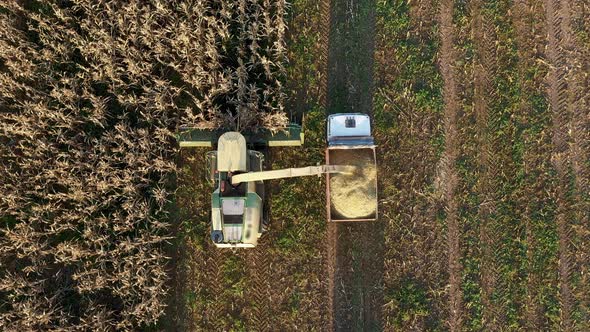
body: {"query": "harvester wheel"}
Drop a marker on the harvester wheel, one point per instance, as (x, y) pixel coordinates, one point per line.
(217, 236)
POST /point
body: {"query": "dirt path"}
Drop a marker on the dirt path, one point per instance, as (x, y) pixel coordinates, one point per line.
(581, 150)
(579, 127)
(447, 166)
(357, 277)
(355, 251)
(485, 69)
(260, 290)
(561, 91)
(325, 62)
(213, 267)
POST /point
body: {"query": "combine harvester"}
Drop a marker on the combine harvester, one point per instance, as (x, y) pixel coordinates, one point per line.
(239, 208)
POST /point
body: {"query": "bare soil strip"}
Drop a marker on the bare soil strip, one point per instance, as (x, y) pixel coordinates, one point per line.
(563, 97)
(177, 315)
(260, 291)
(213, 265)
(447, 167)
(344, 281)
(358, 270)
(421, 14)
(578, 26)
(355, 251)
(326, 28)
(485, 67)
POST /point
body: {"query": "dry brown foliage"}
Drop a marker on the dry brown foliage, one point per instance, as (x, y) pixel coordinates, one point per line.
(91, 93)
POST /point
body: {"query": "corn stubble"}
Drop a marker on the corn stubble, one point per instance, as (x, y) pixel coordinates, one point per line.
(91, 93)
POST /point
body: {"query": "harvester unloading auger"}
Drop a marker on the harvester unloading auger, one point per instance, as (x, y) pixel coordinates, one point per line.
(239, 208)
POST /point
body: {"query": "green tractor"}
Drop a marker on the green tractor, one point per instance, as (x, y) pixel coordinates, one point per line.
(239, 206)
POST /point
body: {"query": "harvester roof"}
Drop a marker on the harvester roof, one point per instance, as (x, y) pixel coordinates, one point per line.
(231, 152)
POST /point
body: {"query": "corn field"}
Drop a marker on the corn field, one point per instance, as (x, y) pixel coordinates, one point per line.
(91, 93)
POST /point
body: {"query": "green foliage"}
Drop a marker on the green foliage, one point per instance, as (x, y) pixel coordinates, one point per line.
(191, 299)
(408, 109)
(301, 226)
(234, 276)
(409, 301)
(315, 131)
(190, 205)
(297, 202)
(294, 302)
(394, 15)
(237, 325)
(470, 285)
(416, 81)
(290, 240)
